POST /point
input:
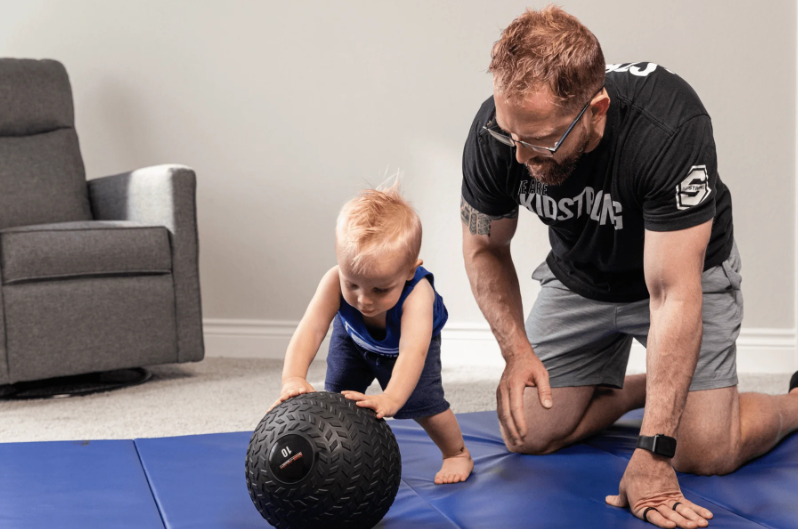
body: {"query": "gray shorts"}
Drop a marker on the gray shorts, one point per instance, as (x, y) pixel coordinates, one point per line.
(584, 342)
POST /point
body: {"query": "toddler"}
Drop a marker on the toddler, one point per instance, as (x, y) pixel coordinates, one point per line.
(387, 318)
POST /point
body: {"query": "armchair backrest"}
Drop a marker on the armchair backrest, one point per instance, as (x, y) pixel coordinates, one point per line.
(42, 178)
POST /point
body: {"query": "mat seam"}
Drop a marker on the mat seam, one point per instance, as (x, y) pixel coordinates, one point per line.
(431, 505)
(149, 484)
(696, 493)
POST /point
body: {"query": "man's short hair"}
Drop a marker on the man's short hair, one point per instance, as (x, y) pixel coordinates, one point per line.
(376, 223)
(548, 48)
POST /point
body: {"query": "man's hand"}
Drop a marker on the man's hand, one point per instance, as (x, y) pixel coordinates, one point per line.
(519, 373)
(650, 481)
(382, 404)
(292, 387)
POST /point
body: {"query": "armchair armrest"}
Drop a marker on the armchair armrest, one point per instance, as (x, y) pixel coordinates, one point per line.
(163, 195)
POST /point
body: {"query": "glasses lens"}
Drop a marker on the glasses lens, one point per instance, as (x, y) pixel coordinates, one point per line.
(502, 138)
(543, 152)
(507, 140)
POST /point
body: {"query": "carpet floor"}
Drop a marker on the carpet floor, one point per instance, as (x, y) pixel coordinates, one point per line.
(223, 395)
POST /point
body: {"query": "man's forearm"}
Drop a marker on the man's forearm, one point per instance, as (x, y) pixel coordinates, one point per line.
(674, 341)
(494, 283)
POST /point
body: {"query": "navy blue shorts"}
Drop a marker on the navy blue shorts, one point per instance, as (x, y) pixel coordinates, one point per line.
(350, 367)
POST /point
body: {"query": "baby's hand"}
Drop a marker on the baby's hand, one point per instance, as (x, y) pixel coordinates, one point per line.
(291, 388)
(382, 404)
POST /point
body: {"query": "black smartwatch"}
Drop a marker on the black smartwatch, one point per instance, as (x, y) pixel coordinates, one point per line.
(662, 445)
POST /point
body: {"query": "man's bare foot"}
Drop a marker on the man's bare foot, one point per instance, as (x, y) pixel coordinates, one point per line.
(456, 468)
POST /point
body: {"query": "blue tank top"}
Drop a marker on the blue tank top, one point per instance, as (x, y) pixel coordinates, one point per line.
(389, 346)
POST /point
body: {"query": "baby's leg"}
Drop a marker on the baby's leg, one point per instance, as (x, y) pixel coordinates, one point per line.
(445, 433)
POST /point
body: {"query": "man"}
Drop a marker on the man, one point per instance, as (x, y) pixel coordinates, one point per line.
(619, 161)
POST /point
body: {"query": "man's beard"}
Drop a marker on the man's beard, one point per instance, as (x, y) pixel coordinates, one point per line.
(550, 172)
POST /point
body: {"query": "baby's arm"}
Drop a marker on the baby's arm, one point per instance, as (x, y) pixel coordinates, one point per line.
(308, 336)
(416, 334)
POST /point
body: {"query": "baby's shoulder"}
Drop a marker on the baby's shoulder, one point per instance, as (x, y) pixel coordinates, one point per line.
(331, 274)
(330, 282)
(421, 294)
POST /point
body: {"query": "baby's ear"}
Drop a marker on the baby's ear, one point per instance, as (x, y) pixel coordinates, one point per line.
(412, 272)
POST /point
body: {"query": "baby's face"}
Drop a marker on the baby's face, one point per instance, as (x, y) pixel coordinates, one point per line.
(378, 290)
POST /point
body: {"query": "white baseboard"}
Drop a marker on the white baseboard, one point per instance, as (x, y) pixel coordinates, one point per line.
(767, 351)
(759, 350)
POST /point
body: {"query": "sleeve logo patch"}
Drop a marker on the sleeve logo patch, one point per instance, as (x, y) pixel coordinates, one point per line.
(633, 68)
(694, 189)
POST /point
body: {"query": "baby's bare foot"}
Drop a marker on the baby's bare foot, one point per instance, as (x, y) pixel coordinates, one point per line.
(456, 468)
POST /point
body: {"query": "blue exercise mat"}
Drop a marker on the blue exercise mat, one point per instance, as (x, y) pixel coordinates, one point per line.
(198, 482)
(565, 489)
(74, 485)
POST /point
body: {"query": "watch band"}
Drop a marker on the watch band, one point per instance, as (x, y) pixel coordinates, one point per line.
(659, 444)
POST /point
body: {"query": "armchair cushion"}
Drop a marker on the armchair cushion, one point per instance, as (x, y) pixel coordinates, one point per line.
(43, 179)
(41, 170)
(82, 249)
(35, 97)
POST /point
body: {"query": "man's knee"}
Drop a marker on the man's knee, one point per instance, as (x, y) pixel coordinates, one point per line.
(706, 460)
(537, 444)
(705, 466)
(709, 434)
(548, 430)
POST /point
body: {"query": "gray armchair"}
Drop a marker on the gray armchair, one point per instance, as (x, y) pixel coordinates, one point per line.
(96, 275)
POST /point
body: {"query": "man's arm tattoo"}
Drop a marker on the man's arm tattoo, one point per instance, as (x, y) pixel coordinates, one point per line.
(479, 223)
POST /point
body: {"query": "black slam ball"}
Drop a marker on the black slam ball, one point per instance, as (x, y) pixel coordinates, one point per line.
(317, 460)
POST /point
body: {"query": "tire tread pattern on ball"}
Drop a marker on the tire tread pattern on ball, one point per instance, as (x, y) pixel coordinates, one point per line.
(347, 487)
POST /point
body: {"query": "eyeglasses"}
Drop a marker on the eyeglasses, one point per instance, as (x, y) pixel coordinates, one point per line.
(546, 152)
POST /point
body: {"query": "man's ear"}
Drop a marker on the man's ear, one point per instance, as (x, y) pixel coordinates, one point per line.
(412, 272)
(600, 106)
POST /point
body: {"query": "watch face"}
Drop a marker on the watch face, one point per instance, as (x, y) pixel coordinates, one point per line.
(664, 445)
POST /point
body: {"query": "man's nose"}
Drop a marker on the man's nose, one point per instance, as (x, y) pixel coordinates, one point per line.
(523, 155)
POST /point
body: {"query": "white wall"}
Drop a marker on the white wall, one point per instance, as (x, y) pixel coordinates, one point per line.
(285, 110)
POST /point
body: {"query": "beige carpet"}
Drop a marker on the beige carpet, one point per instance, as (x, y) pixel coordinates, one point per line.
(221, 395)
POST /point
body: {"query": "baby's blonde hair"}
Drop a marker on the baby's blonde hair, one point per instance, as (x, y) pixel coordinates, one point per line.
(376, 222)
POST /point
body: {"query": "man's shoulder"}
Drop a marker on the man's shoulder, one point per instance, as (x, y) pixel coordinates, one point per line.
(486, 112)
(489, 166)
(645, 88)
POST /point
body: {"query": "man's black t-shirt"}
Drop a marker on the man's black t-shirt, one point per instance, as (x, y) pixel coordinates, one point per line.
(654, 169)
